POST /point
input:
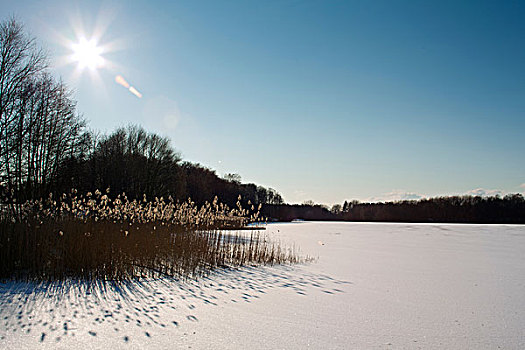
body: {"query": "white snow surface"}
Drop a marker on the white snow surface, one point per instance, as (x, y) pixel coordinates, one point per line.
(372, 286)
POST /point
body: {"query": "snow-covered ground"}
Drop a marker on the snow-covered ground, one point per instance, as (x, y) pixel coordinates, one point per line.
(373, 286)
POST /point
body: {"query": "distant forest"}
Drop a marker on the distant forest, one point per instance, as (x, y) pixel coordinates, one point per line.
(454, 209)
(46, 147)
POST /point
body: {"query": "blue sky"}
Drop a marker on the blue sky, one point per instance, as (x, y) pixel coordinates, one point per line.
(321, 100)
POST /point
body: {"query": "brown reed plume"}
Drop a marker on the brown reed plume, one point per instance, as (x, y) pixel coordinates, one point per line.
(96, 237)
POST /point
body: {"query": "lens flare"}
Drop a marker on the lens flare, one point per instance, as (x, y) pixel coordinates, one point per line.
(135, 92)
(119, 79)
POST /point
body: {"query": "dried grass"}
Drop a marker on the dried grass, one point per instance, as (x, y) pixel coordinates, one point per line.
(94, 237)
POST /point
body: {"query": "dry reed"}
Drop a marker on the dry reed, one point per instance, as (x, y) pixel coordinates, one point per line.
(96, 237)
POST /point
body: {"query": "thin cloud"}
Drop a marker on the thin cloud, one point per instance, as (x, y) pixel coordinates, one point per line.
(397, 195)
(484, 192)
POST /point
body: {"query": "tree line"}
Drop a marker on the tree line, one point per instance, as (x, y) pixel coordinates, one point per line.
(452, 209)
(46, 146)
(460, 209)
(140, 163)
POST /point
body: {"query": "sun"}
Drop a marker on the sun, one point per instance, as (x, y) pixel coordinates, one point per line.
(87, 54)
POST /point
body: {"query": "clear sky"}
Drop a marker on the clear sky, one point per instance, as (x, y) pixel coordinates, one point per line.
(321, 100)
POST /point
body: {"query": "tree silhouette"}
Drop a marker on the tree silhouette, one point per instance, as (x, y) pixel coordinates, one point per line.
(40, 128)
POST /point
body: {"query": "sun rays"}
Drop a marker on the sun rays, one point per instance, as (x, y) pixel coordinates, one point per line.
(87, 51)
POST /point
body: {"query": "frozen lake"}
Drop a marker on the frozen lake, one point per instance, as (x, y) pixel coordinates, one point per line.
(373, 286)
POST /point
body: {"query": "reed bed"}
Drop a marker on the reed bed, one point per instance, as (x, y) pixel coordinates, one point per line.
(94, 237)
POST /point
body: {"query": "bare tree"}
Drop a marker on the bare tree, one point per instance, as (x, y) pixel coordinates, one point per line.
(336, 209)
(233, 177)
(274, 197)
(39, 124)
(135, 161)
(20, 61)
